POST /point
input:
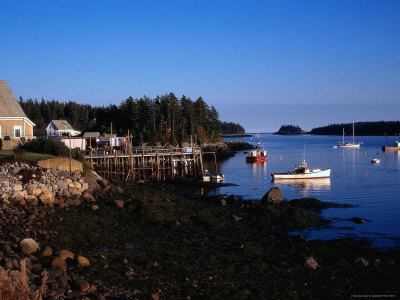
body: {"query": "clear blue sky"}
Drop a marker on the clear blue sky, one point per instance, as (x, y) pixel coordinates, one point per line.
(260, 63)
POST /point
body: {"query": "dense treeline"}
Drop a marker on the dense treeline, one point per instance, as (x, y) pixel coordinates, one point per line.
(232, 128)
(290, 129)
(146, 119)
(360, 128)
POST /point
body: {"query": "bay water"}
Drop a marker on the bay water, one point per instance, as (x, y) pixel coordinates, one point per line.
(373, 189)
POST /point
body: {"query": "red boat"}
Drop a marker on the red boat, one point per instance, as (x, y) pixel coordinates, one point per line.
(259, 153)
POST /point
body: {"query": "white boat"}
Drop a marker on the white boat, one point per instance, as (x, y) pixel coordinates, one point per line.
(375, 161)
(217, 177)
(207, 177)
(302, 171)
(349, 144)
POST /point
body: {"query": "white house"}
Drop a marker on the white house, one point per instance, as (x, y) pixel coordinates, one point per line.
(61, 128)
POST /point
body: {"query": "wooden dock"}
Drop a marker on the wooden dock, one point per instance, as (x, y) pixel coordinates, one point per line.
(148, 163)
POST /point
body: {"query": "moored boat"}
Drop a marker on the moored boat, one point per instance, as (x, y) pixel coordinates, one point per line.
(375, 160)
(259, 153)
(302, 171)
(396, 147)
(349, 144)
(207, 177)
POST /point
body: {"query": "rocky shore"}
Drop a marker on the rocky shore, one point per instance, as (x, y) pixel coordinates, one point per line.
(148, 241)
(226, 149)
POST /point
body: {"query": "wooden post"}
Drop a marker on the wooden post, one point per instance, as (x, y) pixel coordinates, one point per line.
(115, 165)
(216, 165)
(201, 163)
(172, 166)
(131, 163)
(158, 167)
(143, 163)
(182, 164)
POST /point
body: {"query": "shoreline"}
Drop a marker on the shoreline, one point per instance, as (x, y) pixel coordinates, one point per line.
(167, 240)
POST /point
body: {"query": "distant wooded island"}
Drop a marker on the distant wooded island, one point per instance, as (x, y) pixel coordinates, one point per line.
(360, 128)
(376, 128)
(290, 129)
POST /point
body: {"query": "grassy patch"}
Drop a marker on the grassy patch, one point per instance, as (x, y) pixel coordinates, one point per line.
(29, 156)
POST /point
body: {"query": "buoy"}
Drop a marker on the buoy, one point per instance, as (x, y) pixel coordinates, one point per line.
(365, 173)
(281, 157)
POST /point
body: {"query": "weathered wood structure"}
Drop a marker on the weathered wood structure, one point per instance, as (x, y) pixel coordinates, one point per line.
(148, 163)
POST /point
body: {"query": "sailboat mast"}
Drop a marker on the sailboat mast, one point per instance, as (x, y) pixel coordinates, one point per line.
(343, 136)
(353, 132)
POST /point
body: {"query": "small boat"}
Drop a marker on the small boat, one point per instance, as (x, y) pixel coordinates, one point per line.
(217, 177)
(334, 147)
(375, 160)
(259, 153)
(207, 177)
(302, 171)
(396, 147)
(349, 144)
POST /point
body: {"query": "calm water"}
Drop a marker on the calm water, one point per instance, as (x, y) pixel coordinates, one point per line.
(373, 188)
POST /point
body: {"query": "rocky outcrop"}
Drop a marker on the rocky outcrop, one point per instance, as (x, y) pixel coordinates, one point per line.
(27, 185)
(274, 195)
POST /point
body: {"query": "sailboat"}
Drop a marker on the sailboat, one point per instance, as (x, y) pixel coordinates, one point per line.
(349, 144)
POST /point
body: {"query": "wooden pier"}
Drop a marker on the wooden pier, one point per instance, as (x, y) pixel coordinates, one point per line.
(148, 163)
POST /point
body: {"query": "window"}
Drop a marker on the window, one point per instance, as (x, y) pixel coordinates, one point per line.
(17, 131)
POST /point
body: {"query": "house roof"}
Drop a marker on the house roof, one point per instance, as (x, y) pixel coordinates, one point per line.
(62, 125)
(9, 106)
(91, 134)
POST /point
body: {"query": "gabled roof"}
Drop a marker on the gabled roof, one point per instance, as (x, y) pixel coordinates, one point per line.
(62, 125)
(91, 134)
(9, 106)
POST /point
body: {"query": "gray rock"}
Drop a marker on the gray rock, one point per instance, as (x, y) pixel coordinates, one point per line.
(361, 261)
(62, 185)
(274, 195)
(311, 263)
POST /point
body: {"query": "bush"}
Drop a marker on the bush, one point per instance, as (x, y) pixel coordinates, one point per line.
(46, 146)
(18, 154)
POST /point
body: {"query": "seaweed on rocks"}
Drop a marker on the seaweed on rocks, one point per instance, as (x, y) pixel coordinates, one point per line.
(317, 205)
(163, 245)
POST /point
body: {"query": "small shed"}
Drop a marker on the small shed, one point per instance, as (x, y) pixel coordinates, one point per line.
(74, 142)
(91, 138)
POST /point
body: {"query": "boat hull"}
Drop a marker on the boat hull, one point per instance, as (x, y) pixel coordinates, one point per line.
(350, 146)
(387, 148)
(325, 173)
(255, 158)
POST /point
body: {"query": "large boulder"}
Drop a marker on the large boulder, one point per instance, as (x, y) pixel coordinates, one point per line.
(28, 246)
(274, 195)
(83, 261)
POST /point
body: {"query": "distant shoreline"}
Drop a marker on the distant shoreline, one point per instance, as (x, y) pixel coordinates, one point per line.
(236, 135)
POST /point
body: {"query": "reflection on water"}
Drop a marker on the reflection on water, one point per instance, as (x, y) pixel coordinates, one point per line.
(306, 186)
